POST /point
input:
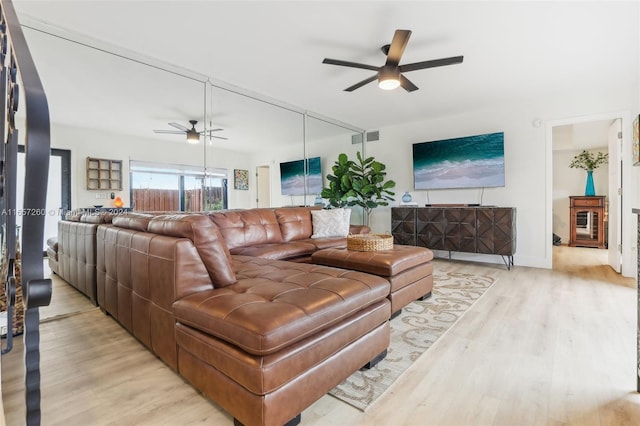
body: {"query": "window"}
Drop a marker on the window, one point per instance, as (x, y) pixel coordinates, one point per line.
(172, 187)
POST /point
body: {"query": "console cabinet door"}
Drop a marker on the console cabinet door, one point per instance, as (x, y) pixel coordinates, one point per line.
(460, 230)
(431, 228)
(496, 231)
(403, 225)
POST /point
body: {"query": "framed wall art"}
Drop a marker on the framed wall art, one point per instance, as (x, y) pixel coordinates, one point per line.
(241, 179)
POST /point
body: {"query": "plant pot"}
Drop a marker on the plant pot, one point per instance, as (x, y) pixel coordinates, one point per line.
(589, 190)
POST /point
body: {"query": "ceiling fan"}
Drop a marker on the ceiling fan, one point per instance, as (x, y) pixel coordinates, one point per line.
(193, 135)
(389, 75)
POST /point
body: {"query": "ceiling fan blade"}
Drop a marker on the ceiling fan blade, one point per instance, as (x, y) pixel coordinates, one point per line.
(169, 132)
(362, 83)
(349, 64)
(398, 44)
(211, 130)
(178, 126)
(407, 84)
(431, 64)
(220, 137)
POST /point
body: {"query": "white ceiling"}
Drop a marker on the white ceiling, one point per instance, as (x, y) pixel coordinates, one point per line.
(513, 51)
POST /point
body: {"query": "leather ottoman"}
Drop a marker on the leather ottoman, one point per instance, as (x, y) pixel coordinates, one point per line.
(407, 268)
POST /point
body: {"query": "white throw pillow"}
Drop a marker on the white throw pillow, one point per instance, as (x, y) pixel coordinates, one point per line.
(330, 223)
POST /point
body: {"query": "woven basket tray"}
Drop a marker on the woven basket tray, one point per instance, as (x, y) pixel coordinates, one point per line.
(370, 242)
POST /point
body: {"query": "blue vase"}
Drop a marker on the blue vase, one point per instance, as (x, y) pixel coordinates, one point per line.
(590, 190)
(406, 198)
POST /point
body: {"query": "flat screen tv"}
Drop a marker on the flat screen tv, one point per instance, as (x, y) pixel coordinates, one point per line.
(467, 162)
(292, 177)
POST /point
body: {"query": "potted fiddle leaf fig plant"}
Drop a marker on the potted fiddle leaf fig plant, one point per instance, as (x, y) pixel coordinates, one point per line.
(338, 191)
(358, 183)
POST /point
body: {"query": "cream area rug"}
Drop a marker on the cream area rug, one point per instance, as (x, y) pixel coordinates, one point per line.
(419, 325)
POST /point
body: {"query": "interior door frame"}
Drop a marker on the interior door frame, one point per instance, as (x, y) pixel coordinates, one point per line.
(258, 183)
(627, 218)
(65, 178)
(65, 175)
(614, 142)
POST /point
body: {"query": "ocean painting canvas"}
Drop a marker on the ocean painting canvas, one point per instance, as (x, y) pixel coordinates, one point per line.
(292, 177)
(467, 162)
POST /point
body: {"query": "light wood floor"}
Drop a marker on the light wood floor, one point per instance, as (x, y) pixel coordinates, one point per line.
(541, 347)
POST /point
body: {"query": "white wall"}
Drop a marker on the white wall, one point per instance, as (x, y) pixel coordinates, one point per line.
(567, 182)
(528, 163)
(85, 143)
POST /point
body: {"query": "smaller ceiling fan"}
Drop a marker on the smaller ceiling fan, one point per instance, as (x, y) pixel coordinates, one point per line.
(193, 135)
(389, 75)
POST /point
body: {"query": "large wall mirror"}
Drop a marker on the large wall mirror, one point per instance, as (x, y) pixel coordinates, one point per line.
(139, 111)
(324, 141)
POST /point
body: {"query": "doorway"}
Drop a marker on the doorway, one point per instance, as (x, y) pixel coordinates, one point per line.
(263, 184)
(58, 190)
(568, 139)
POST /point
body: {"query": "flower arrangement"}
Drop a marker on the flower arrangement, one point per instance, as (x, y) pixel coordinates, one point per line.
(589, 161)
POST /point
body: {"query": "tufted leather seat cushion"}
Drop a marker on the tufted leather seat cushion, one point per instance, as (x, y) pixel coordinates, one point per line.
(386, 263)
(276, 303)
(325, 243)
(289, 250)
(409, 269)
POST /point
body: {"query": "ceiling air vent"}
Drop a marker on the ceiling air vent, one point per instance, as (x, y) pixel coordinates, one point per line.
(373, 136)
(356, 139)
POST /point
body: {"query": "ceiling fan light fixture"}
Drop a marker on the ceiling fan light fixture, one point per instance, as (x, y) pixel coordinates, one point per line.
(193, 137)
(389, 78)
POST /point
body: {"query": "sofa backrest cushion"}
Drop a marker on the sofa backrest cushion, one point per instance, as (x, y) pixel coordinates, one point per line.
(242, 228)
(96, 217)
(207, 239)
(295, 223)
(133, 221)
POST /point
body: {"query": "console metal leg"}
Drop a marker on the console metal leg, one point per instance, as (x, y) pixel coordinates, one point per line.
(508, 261)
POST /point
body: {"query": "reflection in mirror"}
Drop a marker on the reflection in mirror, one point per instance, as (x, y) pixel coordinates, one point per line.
(325, 140)
(264, 133)
(121, 109)
(587, 225)
(140, 110)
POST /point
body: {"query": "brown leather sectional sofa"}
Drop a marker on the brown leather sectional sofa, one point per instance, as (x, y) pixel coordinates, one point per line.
(263, 338)
(229, 300)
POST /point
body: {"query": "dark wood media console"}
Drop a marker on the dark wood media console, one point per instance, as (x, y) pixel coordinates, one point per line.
(468, 229)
